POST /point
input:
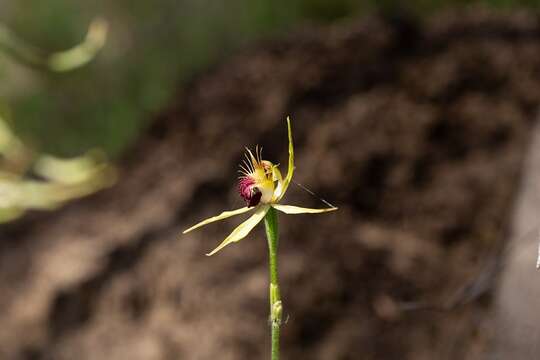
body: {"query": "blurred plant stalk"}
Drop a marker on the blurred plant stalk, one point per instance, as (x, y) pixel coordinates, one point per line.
(30, 180)
(39, 181)
(62, 61)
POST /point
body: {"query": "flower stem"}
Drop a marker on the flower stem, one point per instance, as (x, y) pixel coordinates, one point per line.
(276, 307)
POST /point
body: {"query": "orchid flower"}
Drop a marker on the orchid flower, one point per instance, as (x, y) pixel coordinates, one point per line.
(262, 187)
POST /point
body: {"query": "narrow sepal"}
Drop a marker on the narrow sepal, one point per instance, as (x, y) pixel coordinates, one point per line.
(290, 209)
(290, 170)
(223, 215)
(242, 230)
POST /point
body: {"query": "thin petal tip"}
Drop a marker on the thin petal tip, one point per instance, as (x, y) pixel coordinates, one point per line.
(329, 209)
(214, 252)
(189, 229)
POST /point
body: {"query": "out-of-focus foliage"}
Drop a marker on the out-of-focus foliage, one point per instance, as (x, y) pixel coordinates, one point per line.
(40, 181)
(153, 46)
(28, 179)
(61, 61)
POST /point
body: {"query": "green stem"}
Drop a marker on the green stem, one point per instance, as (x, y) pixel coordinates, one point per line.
(276, 307)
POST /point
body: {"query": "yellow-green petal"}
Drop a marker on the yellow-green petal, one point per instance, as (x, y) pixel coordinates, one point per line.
(290, 171)
(223, 215)
(276, 178)
(290, 209)
(243, 229)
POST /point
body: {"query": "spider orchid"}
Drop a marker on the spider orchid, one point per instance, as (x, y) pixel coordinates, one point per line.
(262, 187)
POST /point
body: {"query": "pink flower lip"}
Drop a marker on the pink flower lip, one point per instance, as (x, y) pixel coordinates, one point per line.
(249, 192)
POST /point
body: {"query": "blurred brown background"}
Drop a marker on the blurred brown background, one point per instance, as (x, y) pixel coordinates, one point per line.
(419, 123)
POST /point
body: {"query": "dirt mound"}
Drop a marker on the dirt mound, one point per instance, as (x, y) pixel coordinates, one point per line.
(415, 130)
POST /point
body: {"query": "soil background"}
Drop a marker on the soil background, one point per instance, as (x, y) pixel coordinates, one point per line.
(416, 130)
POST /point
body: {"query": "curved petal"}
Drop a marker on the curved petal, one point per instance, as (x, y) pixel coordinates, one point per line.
(223, 215)
(276, 178)
(243, 229)
(290, 209)
(290, 171)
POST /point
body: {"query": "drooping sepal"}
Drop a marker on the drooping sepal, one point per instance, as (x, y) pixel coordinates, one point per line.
(223, 215)
(243, 230)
